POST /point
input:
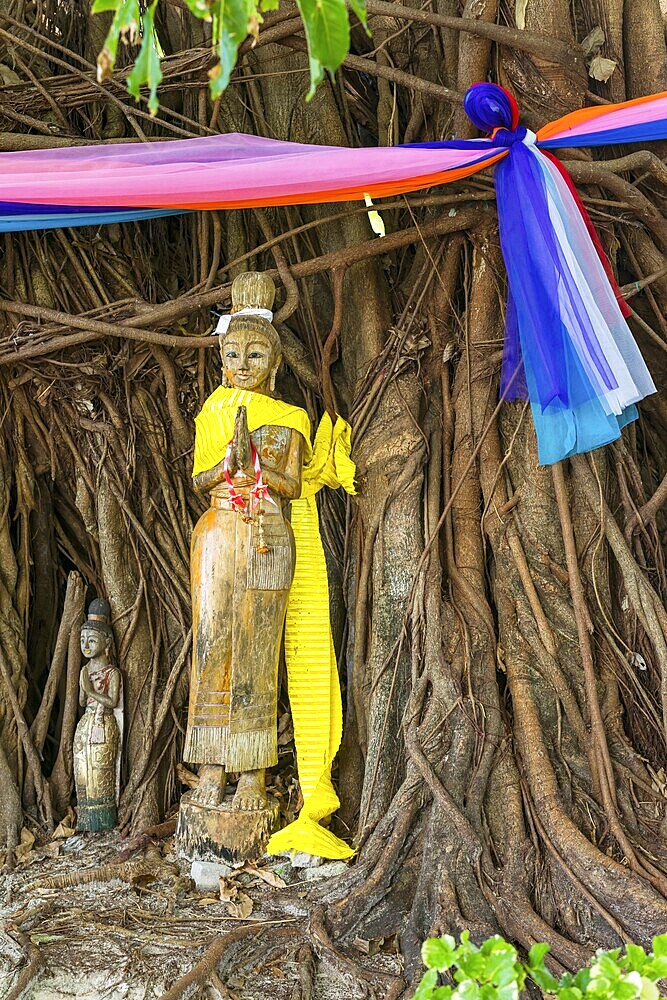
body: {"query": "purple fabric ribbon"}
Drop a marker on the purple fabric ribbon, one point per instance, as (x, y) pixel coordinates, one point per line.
(489, 106)
(535, 335)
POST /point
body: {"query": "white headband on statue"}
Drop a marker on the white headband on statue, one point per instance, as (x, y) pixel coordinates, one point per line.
(224, 321)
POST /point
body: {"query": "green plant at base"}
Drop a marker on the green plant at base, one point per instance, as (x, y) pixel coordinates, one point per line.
(494, 971)
(326, 27)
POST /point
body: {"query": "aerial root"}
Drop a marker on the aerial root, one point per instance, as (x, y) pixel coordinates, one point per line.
(322, 943)
(35, 960)
(261, 940)
(35, 963)
(207, 967)
(306, 962)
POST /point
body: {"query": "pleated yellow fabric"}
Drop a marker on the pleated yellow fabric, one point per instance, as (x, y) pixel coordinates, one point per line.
(312, 674)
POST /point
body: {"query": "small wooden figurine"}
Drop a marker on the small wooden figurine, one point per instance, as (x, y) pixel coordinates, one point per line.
(98, 736)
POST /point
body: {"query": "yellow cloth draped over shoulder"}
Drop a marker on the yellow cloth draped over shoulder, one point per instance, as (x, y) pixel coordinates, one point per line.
(312, 674)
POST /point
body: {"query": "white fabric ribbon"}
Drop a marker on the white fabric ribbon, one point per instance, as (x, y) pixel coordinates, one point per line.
(224, 321)
(614, 339)
(529, 138)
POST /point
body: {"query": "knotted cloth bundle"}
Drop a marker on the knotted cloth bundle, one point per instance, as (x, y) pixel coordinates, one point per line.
(312, 674)
(568, 348)
(567, 345)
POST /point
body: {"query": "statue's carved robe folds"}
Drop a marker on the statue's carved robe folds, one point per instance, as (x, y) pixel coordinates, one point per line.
(97, 743)
(241, 597)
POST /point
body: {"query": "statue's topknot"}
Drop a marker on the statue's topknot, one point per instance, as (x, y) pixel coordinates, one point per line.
(253, 290)
(99, 617)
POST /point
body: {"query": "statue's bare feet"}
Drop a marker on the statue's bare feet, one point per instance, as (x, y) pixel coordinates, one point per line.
(210, 790)
(250, 791)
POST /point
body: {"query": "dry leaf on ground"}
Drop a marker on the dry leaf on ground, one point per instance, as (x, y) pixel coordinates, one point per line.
(24, 847)
(240, 907)
(228, 890)
(368, 946)
(51, 850)
(67, 825)
(269, 876)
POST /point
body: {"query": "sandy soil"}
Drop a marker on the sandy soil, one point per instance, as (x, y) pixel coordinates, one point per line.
(117, 940)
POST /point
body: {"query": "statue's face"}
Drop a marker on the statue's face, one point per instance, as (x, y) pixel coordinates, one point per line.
(249, 360)
(93, 643)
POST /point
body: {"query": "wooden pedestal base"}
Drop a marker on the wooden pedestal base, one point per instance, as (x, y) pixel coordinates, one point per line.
(220, 834)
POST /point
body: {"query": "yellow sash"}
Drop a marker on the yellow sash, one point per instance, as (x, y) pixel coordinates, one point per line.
(312, 674)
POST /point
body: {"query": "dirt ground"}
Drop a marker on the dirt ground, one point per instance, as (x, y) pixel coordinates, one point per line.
(132, 938)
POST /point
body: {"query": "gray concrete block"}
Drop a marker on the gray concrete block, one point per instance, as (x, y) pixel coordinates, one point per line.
(205, 875)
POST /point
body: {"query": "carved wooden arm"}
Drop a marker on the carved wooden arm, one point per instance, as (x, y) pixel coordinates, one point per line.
(287, 482)
(87, 690)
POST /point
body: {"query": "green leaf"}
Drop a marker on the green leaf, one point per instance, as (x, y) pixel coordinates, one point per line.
(569, 993)
(499, 968)
(582, 979)
(359, 8)
(230, 28)
(146, 69)
(316, 76)
(655, 968)
(636, 957)
(649, 991)
(659, 946)
(269, 5)
(125, 23)
(467, 990)
(510, 991)
(537, 970)
(543, 978)
(494, 972)
(439, 953)
(623, 989)
(100, 6)
(471, 964)
(496, 945)
(425, 988)
(327, 32)
(537, 954)
(606, 965)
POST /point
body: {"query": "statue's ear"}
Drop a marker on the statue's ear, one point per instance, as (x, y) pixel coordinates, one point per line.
(274, 371)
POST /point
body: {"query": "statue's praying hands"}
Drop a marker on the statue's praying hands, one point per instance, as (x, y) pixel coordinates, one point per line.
(240, 458)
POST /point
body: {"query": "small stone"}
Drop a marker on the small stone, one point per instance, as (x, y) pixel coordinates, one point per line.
(206, 875)
(300, 860)
(328, 870)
